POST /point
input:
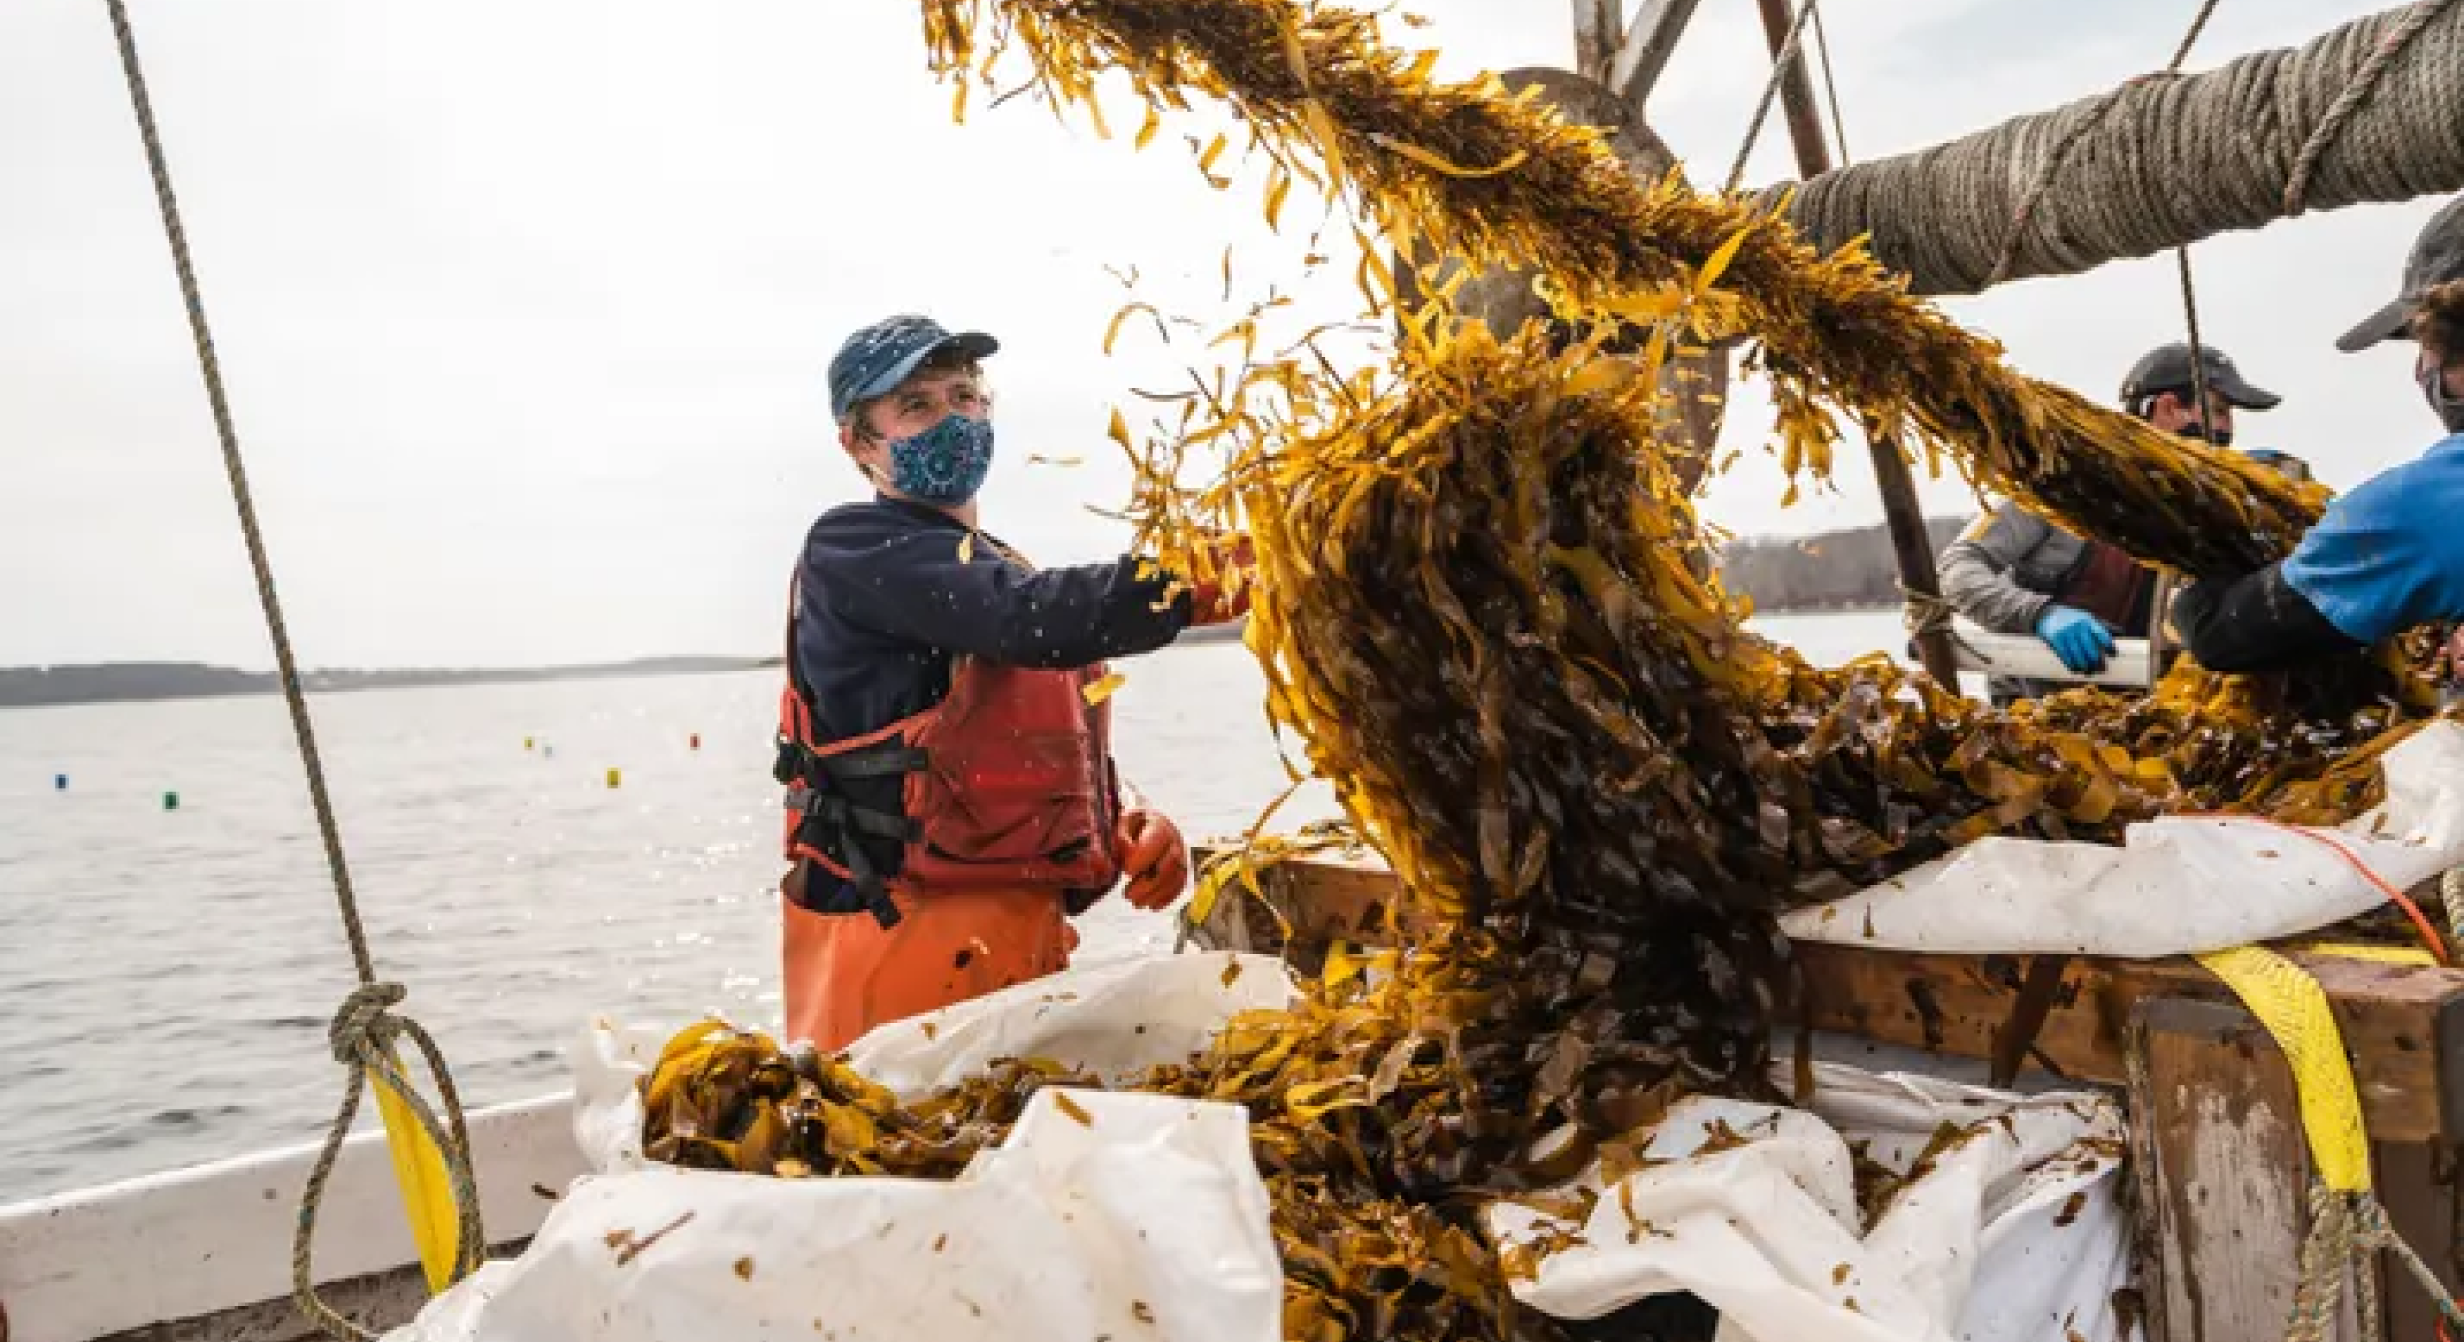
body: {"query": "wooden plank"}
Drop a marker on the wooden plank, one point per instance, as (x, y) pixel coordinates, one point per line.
(1597, 24)
(378, 1301)
(1643, 55)
(2417, 1187)
(2392, 1017)
(2222, 1171)
(2403, 1027)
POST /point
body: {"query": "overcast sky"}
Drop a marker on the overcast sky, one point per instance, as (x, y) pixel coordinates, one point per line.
(525, 303)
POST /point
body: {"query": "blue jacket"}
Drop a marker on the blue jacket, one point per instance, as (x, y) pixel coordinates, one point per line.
(2389, 555)
(890, 594)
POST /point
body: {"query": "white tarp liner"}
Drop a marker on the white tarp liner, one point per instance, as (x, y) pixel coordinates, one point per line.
(2014, 1233)
(1150, 1223)
(2176, 887)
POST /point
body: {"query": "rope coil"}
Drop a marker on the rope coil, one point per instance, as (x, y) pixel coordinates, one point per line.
(2346, 1229)
(363, 1035)
(2363, 113)
(2364, 82)
(364, 1032)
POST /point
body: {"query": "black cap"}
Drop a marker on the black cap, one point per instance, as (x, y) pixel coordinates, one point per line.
(2437, 258)
(2167, 368)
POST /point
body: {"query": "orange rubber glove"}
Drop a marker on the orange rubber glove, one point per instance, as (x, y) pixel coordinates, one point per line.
(1152, 857)
(1223, 596)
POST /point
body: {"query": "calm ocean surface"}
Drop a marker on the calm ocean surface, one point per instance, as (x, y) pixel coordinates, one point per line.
(166, 977)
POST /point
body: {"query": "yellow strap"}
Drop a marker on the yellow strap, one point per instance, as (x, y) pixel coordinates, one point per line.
(2412, 957)
(427, 1192)
(2293, 1007)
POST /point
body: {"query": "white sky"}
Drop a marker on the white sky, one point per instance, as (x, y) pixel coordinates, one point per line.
(524, 304)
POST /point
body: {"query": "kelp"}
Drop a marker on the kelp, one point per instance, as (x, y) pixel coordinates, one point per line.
(1598, 790)
(720, 1098)
(1483, 610)
(1466, 170)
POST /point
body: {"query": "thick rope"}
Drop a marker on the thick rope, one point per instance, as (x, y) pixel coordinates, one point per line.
(1924, 613)
(370, 1029)
(2451, 893)
(2365, 113)
(1770, 90)
(2346, 1231)
(2363, 84)
(2060, 159)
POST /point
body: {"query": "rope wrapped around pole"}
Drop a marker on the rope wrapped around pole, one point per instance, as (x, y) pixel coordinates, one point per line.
(2367, 113)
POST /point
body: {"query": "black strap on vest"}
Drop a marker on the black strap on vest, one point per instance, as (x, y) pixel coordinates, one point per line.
(831, 816)
(838, 818)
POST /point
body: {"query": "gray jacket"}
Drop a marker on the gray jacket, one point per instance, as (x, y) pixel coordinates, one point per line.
(2003, 569)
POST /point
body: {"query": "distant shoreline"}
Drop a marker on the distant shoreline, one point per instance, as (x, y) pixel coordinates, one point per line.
(150, 682)
(147, 682)
(1831, 608)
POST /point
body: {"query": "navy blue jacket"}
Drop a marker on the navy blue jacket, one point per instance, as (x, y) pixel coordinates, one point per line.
(890, 593)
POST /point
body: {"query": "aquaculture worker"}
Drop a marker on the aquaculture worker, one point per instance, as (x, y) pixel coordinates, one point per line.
(2389, 555)
(2014, 572)
(943, 736)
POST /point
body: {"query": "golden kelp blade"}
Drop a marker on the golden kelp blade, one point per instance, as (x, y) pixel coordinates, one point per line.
(1317, 81)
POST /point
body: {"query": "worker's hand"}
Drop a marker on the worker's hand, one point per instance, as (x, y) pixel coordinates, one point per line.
(2078, 638)
(1149, 848)
(1222, 595)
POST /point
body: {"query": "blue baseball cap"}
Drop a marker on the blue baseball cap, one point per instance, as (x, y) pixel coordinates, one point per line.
(879, 357)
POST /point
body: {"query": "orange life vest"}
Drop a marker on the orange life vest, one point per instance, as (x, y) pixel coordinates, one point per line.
(1007, 782)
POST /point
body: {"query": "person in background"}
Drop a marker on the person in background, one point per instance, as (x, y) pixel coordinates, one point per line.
(2388, 556)
(944, 735)
(2016, 573)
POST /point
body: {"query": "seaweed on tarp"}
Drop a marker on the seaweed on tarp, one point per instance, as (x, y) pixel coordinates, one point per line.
(1476, 608)
(1598, 791)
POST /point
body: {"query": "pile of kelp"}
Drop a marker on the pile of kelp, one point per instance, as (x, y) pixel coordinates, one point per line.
(1480, 605)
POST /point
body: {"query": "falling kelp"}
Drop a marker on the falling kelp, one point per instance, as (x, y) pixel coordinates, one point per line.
(1598, 791)
(1476, 608)
(1467, 170)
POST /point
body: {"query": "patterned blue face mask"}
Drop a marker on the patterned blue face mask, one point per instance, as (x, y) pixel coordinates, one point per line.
(946, 463)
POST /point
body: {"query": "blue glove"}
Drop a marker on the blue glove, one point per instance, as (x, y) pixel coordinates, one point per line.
(2078, 638)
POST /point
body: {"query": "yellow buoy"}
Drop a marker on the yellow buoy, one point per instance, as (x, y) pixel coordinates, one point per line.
(615, 778)
(530, 743)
